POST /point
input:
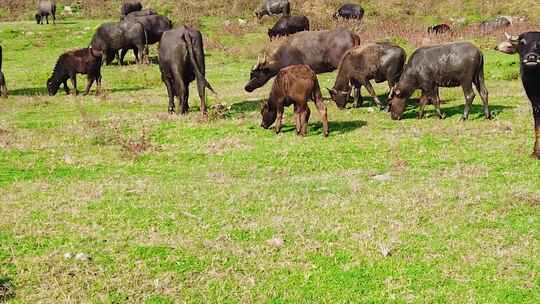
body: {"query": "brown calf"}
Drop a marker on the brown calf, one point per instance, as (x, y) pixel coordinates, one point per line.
(294, 85)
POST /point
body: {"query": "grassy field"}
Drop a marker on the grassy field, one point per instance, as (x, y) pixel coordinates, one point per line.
(179, 209)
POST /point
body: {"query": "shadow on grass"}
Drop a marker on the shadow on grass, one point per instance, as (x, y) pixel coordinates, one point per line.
(7, 290)
(246, 106)
(29, 92)
(336, 127)
(130, 89)
(477, 110)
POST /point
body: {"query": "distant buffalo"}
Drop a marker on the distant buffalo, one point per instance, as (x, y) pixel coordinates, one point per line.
(181, 60)
(130, 6)
(45, 9)
(82, 61)
(320, 50)
(142, 13)
(114, 36)
(446, 65)
(350, 11)
(497, 23)
(3, 88)
(288, 25)
(439, 29)
(273, 7)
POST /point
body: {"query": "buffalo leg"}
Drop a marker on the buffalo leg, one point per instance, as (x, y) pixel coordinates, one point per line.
(123, 53)
(437, 103)
(423, 102)
(297, 122)
(279, 119)
(371, 91)
(469, 98)
(536, 112)
(321, 107)
(66, 87)
(482, 90)
(358, 96)
(170, 93)
(98, 84)
(89, 84)
(184, 98)
(73, 78)
(201, 88)
(305, 112)
(47, 18)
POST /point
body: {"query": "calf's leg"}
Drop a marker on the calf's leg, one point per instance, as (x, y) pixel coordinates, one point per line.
(66, 87)
(469, 98)
(89, 84)
(423, 102)
(279, 119)
(73, 78)
(358, 96)
(321, 107)
(371, 91)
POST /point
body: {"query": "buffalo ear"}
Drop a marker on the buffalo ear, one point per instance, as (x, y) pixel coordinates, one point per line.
(332, 92)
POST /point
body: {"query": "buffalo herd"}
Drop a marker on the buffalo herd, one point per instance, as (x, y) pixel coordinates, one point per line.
(296, 59)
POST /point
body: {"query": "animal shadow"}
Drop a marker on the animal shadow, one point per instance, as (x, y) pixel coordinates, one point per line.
(246, 106)
(477, 110)
(336, 127)
(29, 92)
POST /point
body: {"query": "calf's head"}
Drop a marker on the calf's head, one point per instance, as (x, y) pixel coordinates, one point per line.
(340, 97)
(268, 116)
(526, 44)
(397, 100)
(260, 74)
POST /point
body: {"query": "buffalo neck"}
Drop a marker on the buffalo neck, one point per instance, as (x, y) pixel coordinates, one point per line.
(342, 80)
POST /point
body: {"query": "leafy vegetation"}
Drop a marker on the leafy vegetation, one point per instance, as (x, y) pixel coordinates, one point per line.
(182, 209)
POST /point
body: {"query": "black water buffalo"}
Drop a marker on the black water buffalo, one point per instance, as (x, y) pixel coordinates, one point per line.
(497, 23)
(45, 9)
(273, 7)
(181, 60)
(527, 45)
(350, 11)
(439, 29)
(378, 61)
(130, 6)
(446, 65)
(3, 88)
(154, 26)
(113, 36)
(320, 50)
(288, 25)
(142, 13)
(82, 61)
(294, 85)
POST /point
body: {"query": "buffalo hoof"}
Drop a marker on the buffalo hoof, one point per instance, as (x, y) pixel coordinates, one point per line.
(535, 155)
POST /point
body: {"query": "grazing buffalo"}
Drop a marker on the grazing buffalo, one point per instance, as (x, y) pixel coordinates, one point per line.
(181, 60)
(142, 13)
(154, 26)
(527, 45)
(497, 23)
(446, 65)
(82, 61)
(113, 36)
(273, 7)
(320, 50)
(288, 25)
(3, 88)
(439, 29)
(379, 61)
(131, 6)
(350, 11)
(294, 85)
(45, 9)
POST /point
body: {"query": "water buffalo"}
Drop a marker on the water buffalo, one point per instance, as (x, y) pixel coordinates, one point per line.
(379, 61)
(294, 85)
(273, 7)
(350, 11)
(439, 29)
(181, 60)
(81, 61)
(527, 45)
(45, 9)
(142, 13)
(113, 36)
(320, 50)
(3, 88)
(446, 65)
(154, 26)
(130, 6)
(497, 23)
(288, 25)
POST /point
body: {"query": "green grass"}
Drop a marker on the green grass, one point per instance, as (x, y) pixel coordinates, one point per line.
(189, 218)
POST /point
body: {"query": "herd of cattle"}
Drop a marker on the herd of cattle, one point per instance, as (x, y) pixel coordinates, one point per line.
(295, 61)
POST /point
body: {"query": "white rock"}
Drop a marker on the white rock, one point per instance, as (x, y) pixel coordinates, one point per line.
(383, 177)
(68, 255)
(275, 242)
(82, 257)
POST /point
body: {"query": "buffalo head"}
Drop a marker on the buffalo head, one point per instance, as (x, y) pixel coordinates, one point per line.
(526, 44)
(268, 116)
(260, 74)
(52, 86)
(340, 97)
